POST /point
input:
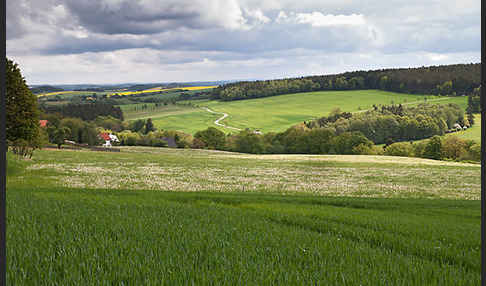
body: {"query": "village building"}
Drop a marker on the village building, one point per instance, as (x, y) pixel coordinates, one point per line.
(108, 138)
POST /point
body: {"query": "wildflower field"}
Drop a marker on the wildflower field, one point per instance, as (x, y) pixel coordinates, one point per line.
(158, 216)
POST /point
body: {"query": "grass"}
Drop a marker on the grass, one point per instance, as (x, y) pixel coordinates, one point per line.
(152, 216)
(277, 113)
(473, 133)
(134, 111)
(173, 117)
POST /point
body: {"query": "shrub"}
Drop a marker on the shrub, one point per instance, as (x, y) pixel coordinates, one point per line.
(403, 149)
(345, 142)
(363, 149)
(433, 149)
(213, 138)
(249, 142)
(453, 147)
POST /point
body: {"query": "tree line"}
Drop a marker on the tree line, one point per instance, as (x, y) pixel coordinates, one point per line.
(452, 80)
(300, 139)
(395, 122)
(85, 111)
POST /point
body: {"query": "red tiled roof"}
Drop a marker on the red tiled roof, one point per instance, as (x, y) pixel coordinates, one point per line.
(43, 123)
(105, 136)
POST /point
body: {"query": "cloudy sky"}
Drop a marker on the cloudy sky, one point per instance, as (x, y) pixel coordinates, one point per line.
(116, 41)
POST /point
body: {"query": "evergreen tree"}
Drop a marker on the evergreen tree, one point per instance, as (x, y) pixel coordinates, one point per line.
(22, 114)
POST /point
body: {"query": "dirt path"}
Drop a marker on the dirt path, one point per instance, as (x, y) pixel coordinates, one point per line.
(221, 118)
(217, 122)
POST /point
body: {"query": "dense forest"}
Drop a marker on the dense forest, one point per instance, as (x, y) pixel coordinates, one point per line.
(451, 80)
(85, 111)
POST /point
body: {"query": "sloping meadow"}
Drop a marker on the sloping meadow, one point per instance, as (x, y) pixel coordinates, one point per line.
(156, 216)
(197, 170)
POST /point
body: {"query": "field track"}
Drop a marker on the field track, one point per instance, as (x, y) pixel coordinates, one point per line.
(225, 115)
(221, 118)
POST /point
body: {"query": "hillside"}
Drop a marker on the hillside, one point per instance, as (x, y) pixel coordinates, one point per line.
(438, 80)
(159, 214)
(278, 112)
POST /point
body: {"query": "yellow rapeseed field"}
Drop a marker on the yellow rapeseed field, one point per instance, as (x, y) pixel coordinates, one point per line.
(163, 89)
(54, 93)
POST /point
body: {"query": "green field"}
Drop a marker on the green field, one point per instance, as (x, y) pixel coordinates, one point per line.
(152, 216)
(173, 117)
(473, 133)
(277, 113)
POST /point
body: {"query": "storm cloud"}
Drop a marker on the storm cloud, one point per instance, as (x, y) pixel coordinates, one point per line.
(112, 41)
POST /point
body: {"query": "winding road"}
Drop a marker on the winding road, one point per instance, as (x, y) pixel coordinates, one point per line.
(221, 118)
(217, 122)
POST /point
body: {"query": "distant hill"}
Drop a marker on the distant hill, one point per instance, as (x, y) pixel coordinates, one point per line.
(45, 89)
(452, 80)
(128, 86)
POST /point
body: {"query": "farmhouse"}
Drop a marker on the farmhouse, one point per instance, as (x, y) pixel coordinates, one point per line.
(108, 138)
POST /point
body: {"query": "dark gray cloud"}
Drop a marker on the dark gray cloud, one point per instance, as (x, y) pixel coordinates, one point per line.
(14, 26)
(132, 17)
(266, 37)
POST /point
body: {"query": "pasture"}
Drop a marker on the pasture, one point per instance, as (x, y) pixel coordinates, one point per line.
(156, 216)
(277, 113)
(473, 133)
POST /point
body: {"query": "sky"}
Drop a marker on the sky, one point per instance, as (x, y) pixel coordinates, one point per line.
(120, 41)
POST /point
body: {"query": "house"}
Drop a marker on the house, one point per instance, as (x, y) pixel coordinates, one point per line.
(113, 138)
(457, 127)
(108, 138)
(43, 123)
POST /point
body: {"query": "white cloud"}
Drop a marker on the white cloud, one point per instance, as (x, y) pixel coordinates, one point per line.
(153, 40)
(257, 15)
(317, 19)
(436, 57)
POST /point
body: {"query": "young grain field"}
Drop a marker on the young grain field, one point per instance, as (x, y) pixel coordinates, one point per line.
(156, 216)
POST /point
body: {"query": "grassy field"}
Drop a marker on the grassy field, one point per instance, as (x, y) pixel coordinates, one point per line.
(473, 133)
(151, 216)
(277, 113)
(173, 117)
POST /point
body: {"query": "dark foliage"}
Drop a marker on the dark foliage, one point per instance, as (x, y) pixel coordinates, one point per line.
(396, 123)
(22, 114)
(45, 89)
(453, 80)
(86, 111)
